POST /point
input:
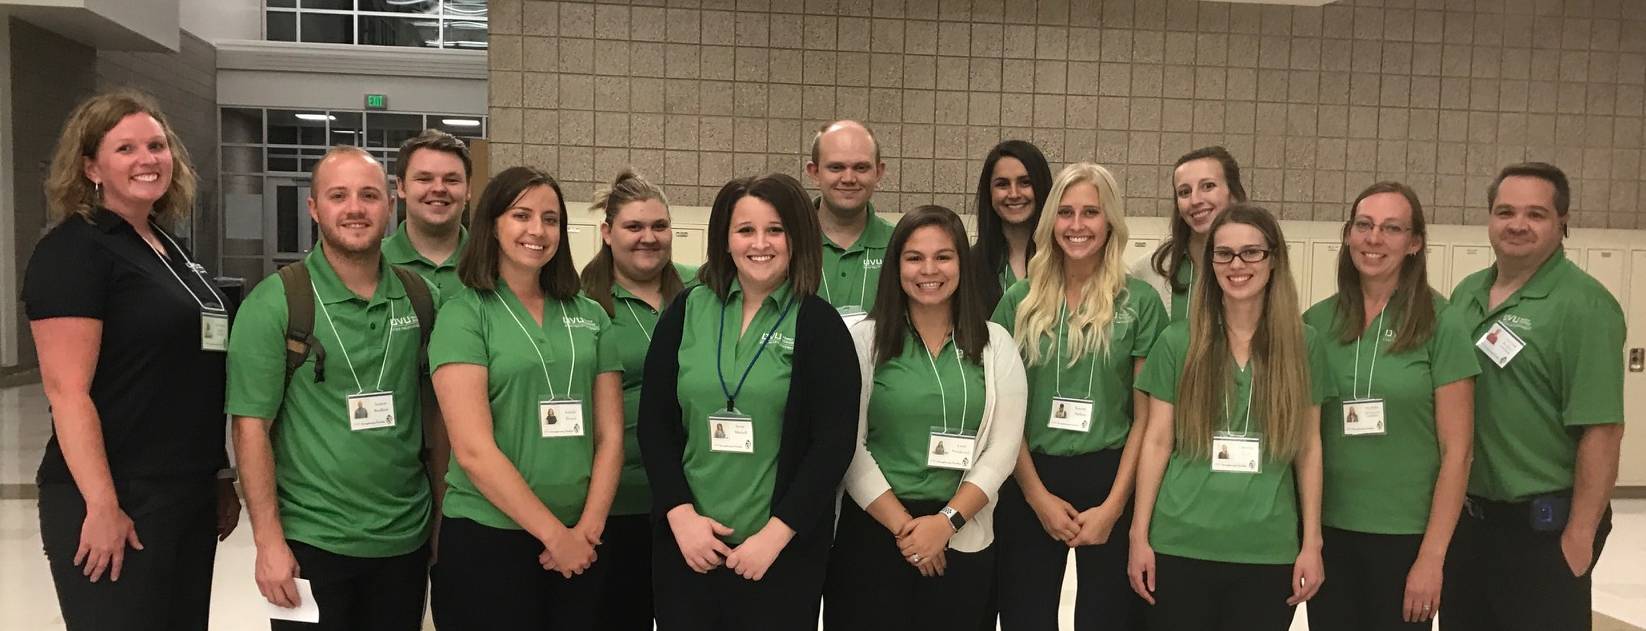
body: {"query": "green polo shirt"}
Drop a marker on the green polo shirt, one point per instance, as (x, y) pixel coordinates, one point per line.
(914, 394)
(1103, 378)
(397, 248)
(354, 493)
(493, 329)
(1384, 484)
(735, 489)
(1227, 517)
(1530, 414)
(850, 275)
(632, 324)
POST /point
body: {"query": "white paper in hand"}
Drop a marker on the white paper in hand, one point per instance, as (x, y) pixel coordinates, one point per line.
(306, 611)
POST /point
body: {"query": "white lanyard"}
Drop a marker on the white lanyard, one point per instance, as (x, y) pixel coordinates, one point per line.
(1377, 335)
(388, 336)
(862, 282)
(1057, 344)
(965, 390)
(222, 305)
(643, 329)
(540, 360)
(1250, 386)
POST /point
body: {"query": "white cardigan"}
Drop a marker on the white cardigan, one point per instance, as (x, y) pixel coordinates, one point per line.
(998, 437)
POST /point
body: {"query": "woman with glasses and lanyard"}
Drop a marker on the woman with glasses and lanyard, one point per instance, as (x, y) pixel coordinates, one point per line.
(746, 421)
(632, 277)
(529, 382)
(131, 336)
(1397, 438)
(1231, 471)
(1084, 327)
(938, 432)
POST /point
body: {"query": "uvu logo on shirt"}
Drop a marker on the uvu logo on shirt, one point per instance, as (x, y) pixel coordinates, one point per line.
(869, 263)
(783, 341)
(1516, 321)
(403, 323)
(580, 322)
(1125, 316)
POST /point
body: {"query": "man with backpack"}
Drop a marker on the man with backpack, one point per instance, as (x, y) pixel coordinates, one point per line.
(337, 439)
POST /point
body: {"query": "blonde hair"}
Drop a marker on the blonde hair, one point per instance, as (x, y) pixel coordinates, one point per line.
(69, 192)
(1279, 355)
(1090, 321)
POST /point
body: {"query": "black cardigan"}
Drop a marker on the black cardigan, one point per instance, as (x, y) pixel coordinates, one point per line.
(819, 419)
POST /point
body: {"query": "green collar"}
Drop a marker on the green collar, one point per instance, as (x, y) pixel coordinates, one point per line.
(331, 290)
(777, 299)
(1542, 282)
(398, 248)
(877, 232)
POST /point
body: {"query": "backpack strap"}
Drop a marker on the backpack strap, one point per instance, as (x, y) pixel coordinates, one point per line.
(422, 304)
(300, 339)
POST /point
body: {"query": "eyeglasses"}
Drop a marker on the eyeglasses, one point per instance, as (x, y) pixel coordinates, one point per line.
(1224, 256)
(1363, 226)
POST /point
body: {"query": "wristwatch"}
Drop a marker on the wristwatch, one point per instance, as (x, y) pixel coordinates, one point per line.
(956, 520)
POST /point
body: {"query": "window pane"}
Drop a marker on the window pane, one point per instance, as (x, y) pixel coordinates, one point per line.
(346, 129)
(401, 6)
(466, 34)
(242, 125)
(297, 127)
(282, 160)
(345, 5)
(242, 214)
(468, 9)
(282, 26)
(394, 31)
(242, 160)
(459, 125)
(389, 130)
(273, 4)
(328, 28)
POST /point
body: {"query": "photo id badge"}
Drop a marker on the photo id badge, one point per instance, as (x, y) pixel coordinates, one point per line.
(731, 432)
(214, 331)
(1074, 415)
(1363, 417)
(1500, 344)
(371, 410)
(1237, 454)
(560, 419)
(951, 450)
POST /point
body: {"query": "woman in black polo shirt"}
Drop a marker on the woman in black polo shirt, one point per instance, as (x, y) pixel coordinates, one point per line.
(131, 335)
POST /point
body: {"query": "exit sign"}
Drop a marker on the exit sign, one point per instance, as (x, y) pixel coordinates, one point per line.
(377, 101)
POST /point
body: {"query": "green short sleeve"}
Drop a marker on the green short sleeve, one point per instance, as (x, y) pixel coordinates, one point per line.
(257, 353)
(1165, 363)
(1321, 384)
(609, 354)
(1152, 317)
(1005, 313)
(459, 335)
(1451, 352)
(1591, 363)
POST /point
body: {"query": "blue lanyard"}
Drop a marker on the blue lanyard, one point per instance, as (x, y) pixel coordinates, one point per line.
(720, 343)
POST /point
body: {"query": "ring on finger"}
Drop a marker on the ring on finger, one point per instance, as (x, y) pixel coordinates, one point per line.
(914, 558)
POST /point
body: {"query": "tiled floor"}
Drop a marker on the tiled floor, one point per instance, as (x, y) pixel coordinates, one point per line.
(27, 601)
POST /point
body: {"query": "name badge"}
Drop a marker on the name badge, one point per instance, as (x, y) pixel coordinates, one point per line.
(852, 314)
(1074, 415)
(370, 410)
(951, 450)
(214, 331)
(1500, 344)
(732, 432)
(1363, 417)
(560, 419)
(1237, 454)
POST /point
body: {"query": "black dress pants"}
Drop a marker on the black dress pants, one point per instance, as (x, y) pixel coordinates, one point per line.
(1197, 595)
(871, 585)
(1365, 588)
(787, 597)
(626, 598)
(1501, 575)
(488, 578)
(166, 586)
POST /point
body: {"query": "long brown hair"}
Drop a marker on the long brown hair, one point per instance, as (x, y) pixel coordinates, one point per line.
(68, 192)
(1413, 298)
(992, 249)
(477, 268)
(968, 315)
(1279, 355)
(794, 209)
(1169, 258)
(601, 272)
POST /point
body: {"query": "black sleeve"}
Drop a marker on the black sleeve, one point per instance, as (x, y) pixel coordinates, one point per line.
(68, 275)
(826, 375)
(659, 428)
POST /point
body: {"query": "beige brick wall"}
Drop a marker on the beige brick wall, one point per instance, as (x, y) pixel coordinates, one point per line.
(1315, 102)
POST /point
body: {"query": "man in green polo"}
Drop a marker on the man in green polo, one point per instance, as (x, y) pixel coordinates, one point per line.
(331, 463)
(846, 167)
(1548, 419)
(432, 174)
